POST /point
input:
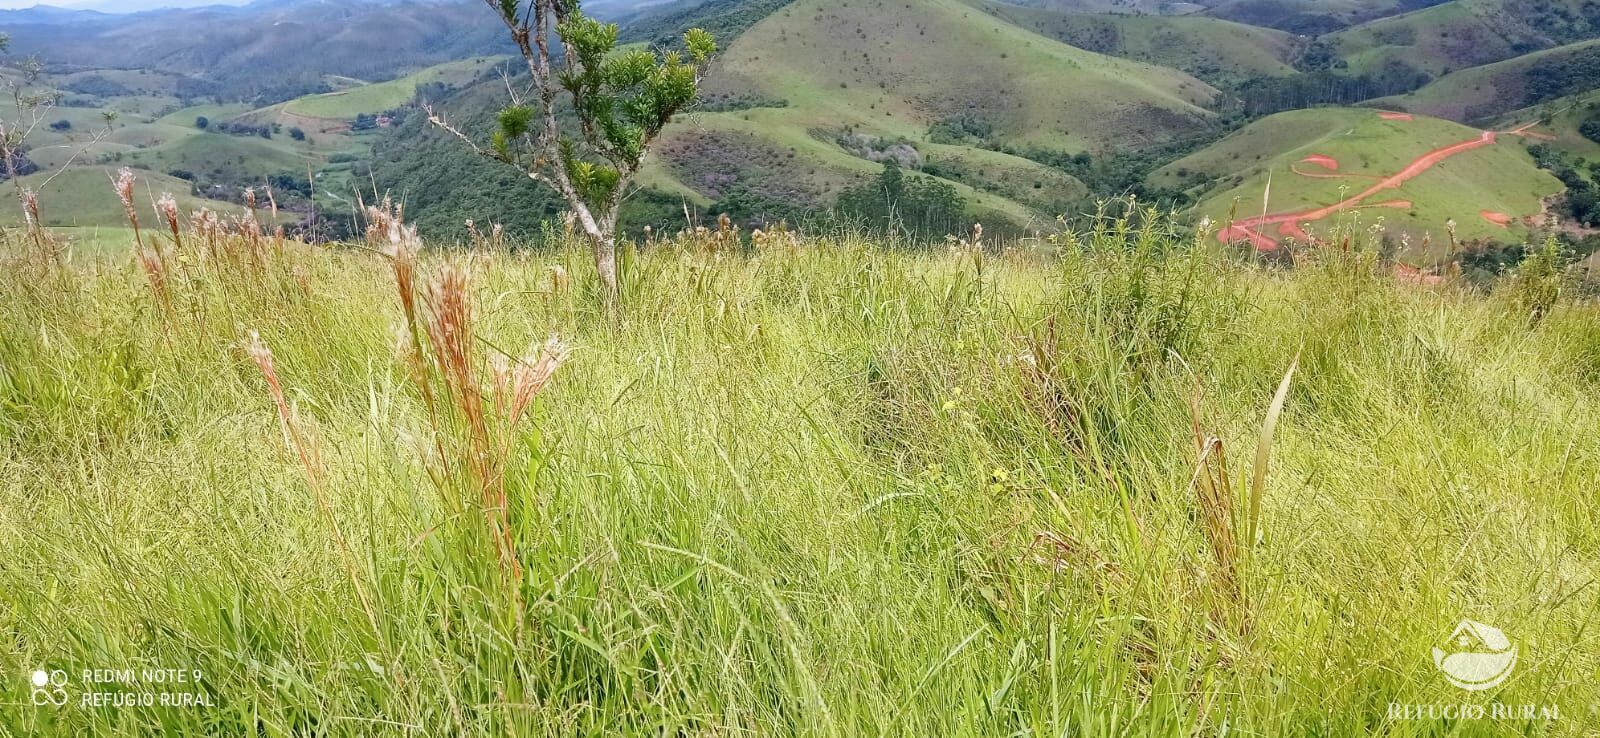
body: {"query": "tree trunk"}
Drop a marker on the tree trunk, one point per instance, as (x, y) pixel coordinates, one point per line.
(605, 262)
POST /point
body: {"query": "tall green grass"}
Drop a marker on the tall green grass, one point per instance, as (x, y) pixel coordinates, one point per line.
(821, 488)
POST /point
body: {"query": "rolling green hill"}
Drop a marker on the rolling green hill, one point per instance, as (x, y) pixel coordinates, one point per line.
(1116, 7)
(874, 62)
(1311, 17)
(83, 197)
(1209, 48)
(380, 96)
(869, 74)
(217, 157)
(1466, 33)
(1492, 90)
(1559, 121)
(153, 134)
(1480, 180)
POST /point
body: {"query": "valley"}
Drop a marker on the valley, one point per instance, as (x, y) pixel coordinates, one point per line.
(1026, 113)
(800, 368)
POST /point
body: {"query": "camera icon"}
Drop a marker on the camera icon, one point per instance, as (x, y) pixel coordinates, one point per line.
(49, 687)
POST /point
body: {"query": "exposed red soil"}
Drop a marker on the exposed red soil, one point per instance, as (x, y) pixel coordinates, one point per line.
(1330, 175)
(1322, 160)
(1391, 115)
(1526, 130)
(1248, 229)
(1499, 219)
(1395, 204)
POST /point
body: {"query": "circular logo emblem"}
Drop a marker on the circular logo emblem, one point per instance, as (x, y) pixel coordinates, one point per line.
(1484, 657)
(48, 687)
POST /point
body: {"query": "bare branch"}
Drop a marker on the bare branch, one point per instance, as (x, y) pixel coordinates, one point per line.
(438, 120)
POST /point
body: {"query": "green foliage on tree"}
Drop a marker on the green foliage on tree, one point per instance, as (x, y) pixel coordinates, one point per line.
(922, 207)
(1590, 128)
(619, 102)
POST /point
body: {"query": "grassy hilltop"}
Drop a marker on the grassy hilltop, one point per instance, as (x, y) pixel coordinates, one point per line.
(1362, 147)
(867, 72)
(816, 488)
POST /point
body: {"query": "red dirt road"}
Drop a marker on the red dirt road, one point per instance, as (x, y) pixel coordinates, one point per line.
(1250, 229)
(1389, 115)
(1499, 219)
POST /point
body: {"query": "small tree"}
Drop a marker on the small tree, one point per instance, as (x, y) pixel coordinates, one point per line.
(201, 122)
(621, 102)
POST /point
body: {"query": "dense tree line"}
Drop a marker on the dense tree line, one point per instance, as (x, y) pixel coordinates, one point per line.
(1575, 72)
(1261, 96)
(1590, 127)
(1581, 203)
(923, 207)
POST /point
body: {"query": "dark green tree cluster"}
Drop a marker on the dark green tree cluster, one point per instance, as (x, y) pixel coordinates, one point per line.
(1267, 95)
(1591, 128)
(1581, 203)
(922, 207)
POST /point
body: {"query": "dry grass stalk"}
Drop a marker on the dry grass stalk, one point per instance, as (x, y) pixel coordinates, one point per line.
(305, 447)
(441, 350)
(35, 226)
(152, 258)
(493, 241)
(123, 184)
(1044, 394)
(167, 206)
(1214, 496)
(1215, 502)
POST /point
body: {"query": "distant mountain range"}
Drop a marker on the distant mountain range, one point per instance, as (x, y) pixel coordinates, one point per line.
(1012, 112)
(67, 10)
(140, 6)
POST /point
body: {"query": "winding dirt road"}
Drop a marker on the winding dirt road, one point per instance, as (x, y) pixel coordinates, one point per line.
(1251, 229)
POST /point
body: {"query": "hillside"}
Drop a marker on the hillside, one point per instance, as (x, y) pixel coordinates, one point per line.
(1465, 33)
(1331, 165)
(831, 487)
(1115, 7)
(1559, 126)
(345, 104)
(1492, 90)
(82, 197)
(1051, 104)
(1209, 48)
(1311, 17)
(259, 53)
(868, 77)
